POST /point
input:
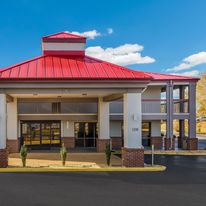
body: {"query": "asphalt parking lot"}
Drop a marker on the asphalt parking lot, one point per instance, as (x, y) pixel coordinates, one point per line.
(184, 183)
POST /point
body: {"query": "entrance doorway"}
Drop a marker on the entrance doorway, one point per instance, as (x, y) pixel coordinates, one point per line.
(41, 134)
(85, 134)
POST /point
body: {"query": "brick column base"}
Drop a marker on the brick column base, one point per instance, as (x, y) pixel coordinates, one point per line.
(132, 157)
(179, 142)
(101, 144)
(12, 145)
(156, 141)
(69, 142)
(116, 143)
(167, 143)
(3, 158)
(192, 143)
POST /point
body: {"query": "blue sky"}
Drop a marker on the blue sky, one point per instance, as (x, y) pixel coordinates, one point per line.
(169, 31)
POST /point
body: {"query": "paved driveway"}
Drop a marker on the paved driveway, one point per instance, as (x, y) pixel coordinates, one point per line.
(184, 183)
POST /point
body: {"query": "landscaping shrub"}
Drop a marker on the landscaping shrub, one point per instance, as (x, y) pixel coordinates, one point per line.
(23, 154)
(108, 153)
(63, 154)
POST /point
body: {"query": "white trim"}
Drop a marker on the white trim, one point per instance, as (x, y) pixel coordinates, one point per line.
(49, 46)
(58, 114)
(154, 113)
(116, 114)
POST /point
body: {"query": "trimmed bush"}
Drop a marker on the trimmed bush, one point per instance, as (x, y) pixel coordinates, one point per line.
(23, 154)
(108, 154)
(63, 154)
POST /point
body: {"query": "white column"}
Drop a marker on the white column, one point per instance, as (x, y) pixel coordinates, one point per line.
(12, 121)
(132, 120)
(2, 121)
(103, 120)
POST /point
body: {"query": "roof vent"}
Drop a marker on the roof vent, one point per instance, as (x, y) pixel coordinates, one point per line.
(63, 43)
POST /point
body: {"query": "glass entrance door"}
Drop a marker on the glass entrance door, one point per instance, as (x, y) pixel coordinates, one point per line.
(38, 134)
(85, 134)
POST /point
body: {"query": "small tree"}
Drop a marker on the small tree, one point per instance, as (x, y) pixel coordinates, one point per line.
(63, 154)
(23, 154)
(108, 153)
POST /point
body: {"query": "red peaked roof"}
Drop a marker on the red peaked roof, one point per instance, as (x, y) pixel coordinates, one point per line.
(63, 35)
(69, 67)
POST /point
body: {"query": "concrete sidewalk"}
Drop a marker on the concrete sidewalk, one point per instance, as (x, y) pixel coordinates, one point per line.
(80, 160)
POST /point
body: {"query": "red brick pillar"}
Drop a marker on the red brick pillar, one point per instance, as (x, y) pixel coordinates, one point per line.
(157, 142)
(69, 142)
(132, 157)
(12, 145)
(3, 158)
(101, 144)
(192, 143)
(116, 143)
(167, 143)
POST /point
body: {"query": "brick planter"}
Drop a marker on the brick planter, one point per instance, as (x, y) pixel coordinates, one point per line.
(69, 142)
(3, 158)
(156, 141)
(132, 157)
(192, 143)
(101, 144)
(12, 145)
(167, 144)
(116, 143)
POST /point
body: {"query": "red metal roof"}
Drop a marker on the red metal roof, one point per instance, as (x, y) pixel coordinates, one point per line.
(72, 67)
(69, 67)
(157, 76)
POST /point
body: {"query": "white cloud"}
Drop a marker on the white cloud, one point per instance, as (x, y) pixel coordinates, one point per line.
(110, 30)
(89, 34)
(190, 61)
(193, 73)
(126, 54)
(92, 34)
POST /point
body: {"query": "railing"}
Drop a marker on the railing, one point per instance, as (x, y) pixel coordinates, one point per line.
(180, 106)
(160, 106)
(154, 105)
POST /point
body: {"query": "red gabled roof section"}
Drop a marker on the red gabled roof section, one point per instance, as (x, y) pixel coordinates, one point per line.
(69, 68)
(160, 77)
(64, 37)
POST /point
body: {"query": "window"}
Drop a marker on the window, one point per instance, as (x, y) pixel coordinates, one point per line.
(116, 107)
(34, 107)
(56, 107)
(79, 107)
(146, 129)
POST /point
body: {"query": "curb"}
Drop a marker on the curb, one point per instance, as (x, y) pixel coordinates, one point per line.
(186, 153)
(158, 152)
(156, 168)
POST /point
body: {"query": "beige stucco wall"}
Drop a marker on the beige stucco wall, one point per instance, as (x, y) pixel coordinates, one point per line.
(67, 128)
(152, 92)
